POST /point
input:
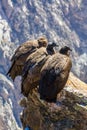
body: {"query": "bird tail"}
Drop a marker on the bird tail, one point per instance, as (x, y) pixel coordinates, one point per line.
(9, 71)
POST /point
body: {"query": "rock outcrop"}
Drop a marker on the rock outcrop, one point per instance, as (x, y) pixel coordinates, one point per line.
(69, 113)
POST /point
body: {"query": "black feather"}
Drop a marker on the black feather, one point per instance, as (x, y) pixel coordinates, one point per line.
(46, 85)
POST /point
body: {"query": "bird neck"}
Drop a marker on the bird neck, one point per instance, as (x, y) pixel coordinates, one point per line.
(64, 53)
(50, 50)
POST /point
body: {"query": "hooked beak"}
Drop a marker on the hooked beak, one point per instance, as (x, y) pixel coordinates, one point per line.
(68, 53)
(55, 45)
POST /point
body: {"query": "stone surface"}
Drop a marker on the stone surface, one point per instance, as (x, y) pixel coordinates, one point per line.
(7, 118)
(69, 113)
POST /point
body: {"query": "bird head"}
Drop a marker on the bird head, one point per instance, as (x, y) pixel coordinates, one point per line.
(52, 45)
(65, 50)
(50, 48)
(42, 41)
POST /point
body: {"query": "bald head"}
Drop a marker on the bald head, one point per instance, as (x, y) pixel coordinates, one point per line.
(65, 50)
(42, 41)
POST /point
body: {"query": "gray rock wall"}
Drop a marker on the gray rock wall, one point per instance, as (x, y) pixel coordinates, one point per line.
(64, 22)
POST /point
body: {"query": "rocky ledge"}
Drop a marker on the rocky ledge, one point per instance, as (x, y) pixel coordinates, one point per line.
(69, 113)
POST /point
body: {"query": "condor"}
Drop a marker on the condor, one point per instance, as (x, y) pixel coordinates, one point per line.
(22, 52)
(54, 75)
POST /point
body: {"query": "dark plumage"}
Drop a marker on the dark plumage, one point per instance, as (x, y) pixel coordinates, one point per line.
(22, 52)
(50, 48)
(32, 67)
(54, 75)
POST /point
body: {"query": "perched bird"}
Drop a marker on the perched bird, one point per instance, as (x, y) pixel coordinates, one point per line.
(32, 67)
(50, 48)
(54, 75)
(22, 52)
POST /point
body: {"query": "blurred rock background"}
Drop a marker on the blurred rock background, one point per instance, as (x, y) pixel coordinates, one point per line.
(64, 22)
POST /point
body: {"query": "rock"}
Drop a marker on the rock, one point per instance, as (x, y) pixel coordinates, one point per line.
(7, 119)
(69, 113)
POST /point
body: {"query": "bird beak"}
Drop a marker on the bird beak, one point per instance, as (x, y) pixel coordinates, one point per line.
(68, 53)
(56, 45)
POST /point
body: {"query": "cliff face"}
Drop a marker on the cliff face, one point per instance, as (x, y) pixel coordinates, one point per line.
(7, 103)
(64, 22)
